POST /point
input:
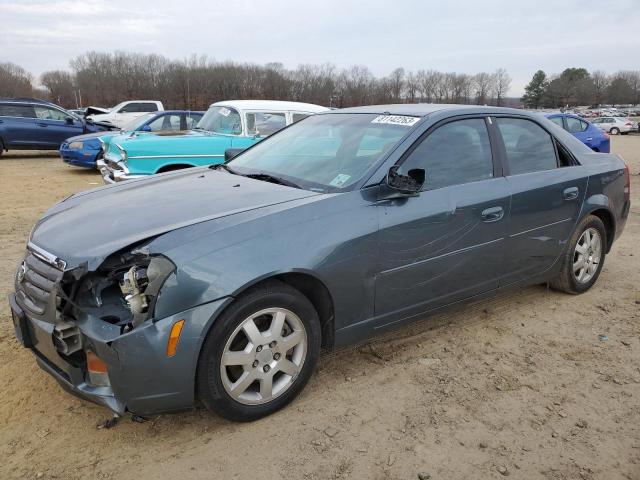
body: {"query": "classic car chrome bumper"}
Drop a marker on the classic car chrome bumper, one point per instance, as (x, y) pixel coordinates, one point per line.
(112, 175)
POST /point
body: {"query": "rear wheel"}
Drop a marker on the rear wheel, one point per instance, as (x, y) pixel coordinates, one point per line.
(584, 258)
(259, 354)
(614, 131)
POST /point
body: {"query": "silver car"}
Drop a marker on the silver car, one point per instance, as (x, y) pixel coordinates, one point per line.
(614, 125)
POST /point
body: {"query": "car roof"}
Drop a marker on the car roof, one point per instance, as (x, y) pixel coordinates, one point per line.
(424, 109)
(164, 112)
(271, 105)
(28, 100)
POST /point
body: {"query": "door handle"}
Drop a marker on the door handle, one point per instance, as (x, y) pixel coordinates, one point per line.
(41, 124)
(589, 139)
(570, 193)
(492, 214)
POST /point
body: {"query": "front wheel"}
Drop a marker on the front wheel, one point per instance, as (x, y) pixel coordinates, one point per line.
(584, 258)
(260, 353)
(614, 131)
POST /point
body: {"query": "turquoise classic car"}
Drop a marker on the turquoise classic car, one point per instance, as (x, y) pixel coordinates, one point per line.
(226, 125)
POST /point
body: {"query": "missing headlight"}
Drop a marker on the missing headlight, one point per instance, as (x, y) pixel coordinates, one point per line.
(140, 285)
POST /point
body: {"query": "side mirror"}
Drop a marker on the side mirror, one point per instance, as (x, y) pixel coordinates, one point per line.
(145, 128)
(69, 120)
(404, 185)
(229, 153)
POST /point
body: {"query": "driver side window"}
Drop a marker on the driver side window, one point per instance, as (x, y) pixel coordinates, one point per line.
(455, 153)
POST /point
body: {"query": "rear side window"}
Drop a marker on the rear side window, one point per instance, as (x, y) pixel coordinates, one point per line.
(296, 117)
(265, 123)
(139, 108)
(557, 121)
(529, 147)
(166, 122)
(23, 111)
(192, 120)
(46, 113)
(575, 125)
(455, 153)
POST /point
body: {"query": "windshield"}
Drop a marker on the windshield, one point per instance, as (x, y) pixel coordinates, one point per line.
(138, 122)
(328, 152)
(220, 119)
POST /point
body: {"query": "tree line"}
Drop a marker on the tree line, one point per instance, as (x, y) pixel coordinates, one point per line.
(104, 79)
(577, 86)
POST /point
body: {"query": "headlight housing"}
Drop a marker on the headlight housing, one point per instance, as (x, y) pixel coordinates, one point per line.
(123, 154)
(141, 283)
(76, 145)
(123, 291)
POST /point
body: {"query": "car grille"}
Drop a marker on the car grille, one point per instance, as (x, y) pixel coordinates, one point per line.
(36, 285)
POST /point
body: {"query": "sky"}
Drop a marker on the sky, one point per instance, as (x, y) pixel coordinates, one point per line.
(465, 36)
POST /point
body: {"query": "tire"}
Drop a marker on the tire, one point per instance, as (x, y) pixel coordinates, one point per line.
(614, 131)
(238, 388)
(1, 148)
(573, 279)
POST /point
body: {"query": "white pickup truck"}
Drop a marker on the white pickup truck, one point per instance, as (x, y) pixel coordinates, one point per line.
(126, 112)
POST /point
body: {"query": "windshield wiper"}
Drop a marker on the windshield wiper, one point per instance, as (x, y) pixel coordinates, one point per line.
(273, 179)
(224, 166)
(257, 176)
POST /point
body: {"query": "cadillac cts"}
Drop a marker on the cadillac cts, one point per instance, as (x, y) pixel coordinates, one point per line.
(220, 285)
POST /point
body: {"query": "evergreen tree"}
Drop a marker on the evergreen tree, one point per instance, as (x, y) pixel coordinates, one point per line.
(535, 90)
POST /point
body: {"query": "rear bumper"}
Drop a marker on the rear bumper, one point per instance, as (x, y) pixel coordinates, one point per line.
(143, 380)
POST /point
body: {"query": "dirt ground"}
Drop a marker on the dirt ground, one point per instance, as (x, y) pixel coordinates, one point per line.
(533, 384)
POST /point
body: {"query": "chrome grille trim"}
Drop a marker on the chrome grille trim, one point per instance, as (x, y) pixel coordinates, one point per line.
(45, 256)
(36, 282)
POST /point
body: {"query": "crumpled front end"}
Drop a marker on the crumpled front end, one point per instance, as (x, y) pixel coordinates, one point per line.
(113, 164)
(81, 153)
(94, 332)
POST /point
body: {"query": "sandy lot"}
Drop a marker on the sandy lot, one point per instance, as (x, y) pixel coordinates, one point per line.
(519, 385)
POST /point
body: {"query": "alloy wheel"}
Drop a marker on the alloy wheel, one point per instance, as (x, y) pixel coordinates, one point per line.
(587, 255)
(263, 356)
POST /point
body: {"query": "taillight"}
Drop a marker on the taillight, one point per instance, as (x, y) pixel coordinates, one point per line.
(606, 135)
(628, 124)
(627, 180)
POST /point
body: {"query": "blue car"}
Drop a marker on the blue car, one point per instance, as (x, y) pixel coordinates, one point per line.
(31, 124)
(586, 132)
(84, 150)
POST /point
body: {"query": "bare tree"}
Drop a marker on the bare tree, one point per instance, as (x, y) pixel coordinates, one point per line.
(412, 87)
(59, 86)
(396, 84)
(600, 84)
(501, 85)
(14, 81)
(483, 84)
(632, 77)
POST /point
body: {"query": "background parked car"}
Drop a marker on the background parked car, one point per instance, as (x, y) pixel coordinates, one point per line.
(613, 125)
(30, 124)
(126, 112)
(84, 150)
(589, 134)
(236, 124)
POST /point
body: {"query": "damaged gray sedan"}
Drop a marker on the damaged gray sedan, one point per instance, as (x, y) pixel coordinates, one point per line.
(221, 285)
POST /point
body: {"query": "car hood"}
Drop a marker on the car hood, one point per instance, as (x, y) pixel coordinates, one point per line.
(181, 142)
(89, 136)
(89, 226)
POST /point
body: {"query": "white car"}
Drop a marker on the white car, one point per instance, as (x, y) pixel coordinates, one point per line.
(614, 125)
(126, 112)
